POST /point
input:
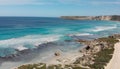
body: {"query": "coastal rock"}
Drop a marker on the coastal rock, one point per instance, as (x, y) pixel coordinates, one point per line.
(93, 47)
(116, 36)
(57, 53)
(97, 49)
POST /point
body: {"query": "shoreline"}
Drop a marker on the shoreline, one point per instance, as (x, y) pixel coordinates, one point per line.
(65, 57)
(94, 53)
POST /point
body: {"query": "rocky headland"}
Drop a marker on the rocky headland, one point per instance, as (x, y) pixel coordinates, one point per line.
(107, 17)
(96, 54)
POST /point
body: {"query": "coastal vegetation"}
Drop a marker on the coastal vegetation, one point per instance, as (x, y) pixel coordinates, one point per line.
(33, 66)
(43, 66)
(104, 56)
(99, 52)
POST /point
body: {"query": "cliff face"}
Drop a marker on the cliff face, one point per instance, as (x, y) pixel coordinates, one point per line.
(112, 18)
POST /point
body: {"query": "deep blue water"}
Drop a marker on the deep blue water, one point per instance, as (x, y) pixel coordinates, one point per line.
(28, 32)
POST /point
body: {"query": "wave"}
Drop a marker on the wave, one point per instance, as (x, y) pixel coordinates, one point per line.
(79, 34)
(35, 40)
(103, 28)
(20, 47)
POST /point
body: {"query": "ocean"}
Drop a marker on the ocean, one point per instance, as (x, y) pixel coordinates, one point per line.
(21, 33)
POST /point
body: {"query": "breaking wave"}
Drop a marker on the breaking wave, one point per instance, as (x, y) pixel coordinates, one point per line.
(35, 40)
(80, 34)
(103, 28)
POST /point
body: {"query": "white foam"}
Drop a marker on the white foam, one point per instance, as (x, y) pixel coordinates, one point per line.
(20, 48)
(80, 34)
(102, 28)
(18, 43)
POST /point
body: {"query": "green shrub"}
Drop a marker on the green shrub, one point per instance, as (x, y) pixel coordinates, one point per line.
(104, 56)
(32, 66)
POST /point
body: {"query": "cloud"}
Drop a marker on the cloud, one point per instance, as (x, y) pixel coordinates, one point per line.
(107, 3)
(21, 2)
(75, 2)
(69, 1)
(46, 2)
(37, 2)
(91, 2)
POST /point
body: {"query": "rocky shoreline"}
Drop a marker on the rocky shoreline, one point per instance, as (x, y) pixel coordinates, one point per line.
(107, 17)
(96, 55)
(95, 47)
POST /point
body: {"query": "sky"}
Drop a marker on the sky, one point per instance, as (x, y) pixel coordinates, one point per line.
(56, 8)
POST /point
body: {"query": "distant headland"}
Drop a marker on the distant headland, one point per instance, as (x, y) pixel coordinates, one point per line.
(106, 17)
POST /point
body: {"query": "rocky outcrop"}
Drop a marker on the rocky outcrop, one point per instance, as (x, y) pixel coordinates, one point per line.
(94, 47)
(111, 17)
(57, 53)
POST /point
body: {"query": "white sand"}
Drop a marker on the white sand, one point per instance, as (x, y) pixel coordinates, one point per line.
(115, 61)
(64, 58)
(67, 58)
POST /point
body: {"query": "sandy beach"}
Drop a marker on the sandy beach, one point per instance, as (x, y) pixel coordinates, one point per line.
(63, 58)
(115, 61)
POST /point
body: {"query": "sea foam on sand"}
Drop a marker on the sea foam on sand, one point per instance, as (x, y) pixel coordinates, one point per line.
(63, 58)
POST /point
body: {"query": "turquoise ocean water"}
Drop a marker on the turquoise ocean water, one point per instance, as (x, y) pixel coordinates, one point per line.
(20, 33)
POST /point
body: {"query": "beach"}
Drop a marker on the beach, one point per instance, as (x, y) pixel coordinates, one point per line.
(59, 34)
(36, 40)
(96, 55)
(49, 58)
(115, 61)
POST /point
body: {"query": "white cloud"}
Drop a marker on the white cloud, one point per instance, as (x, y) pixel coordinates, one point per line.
(37, 2)
(44, 2)
(21, 2)
(70, 1)
(93, 2)
(99, 3)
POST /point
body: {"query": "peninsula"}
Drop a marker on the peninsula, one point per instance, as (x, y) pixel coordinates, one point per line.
(107, 17)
